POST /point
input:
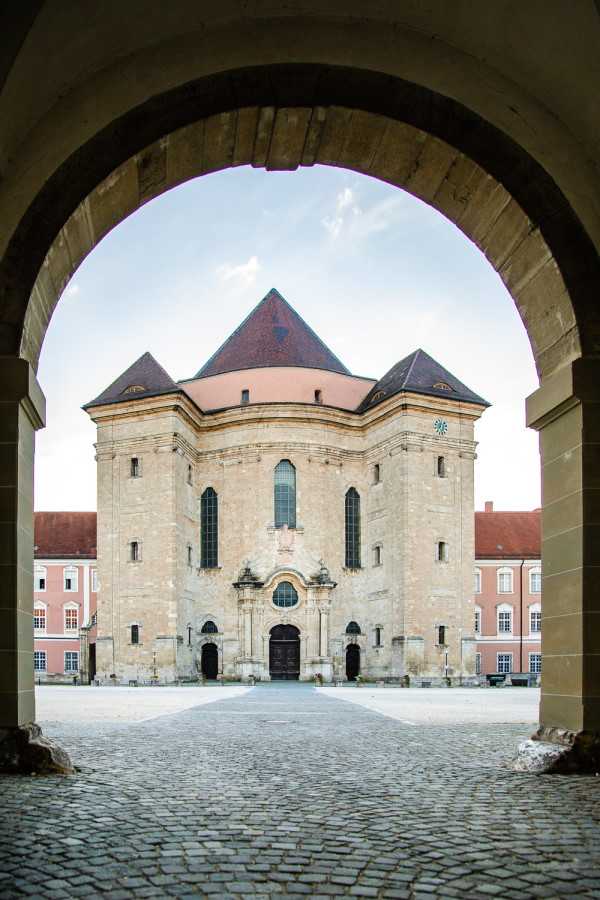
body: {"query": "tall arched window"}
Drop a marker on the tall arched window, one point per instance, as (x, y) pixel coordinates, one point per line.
(285, 494)
(352, 529)
(209, 529)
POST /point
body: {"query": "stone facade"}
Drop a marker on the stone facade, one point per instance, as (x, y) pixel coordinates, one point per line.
(408, 455)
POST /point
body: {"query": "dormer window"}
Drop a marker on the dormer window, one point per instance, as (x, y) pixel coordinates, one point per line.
(377, 396)
(318, 396)
(134, 389)
(245, 397)
(441, 386)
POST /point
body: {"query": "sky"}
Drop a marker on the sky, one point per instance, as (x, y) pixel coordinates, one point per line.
(374, 271)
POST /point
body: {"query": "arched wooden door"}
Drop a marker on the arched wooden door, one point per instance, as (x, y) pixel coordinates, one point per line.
(352, 661)
(210, 661)
(284, 653)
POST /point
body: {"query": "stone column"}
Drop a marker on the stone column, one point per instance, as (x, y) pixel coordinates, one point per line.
(566, 413)
(22, 411)
(323, 637)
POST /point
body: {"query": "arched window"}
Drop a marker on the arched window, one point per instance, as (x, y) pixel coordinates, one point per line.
(353, 628)
(209, 529)
(285, 594)
(352, 529)
(285, 494)
(209, 628)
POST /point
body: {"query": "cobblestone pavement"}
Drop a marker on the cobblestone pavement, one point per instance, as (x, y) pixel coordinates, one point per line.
(286, 791)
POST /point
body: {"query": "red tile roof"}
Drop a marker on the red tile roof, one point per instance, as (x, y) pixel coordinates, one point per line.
(508, 535)
(272, 335)
(65, 535)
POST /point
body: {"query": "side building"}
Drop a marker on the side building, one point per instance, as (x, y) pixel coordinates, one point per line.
(508, 591)
(276, 516)
(65, 596)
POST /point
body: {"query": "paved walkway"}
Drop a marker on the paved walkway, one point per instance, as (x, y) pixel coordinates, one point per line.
(286, 791)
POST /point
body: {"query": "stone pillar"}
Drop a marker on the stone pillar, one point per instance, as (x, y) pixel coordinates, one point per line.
(22, 412)
(324, 642)
(566, 413)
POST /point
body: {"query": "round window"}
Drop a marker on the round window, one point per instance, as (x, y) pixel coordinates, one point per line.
(285, 594)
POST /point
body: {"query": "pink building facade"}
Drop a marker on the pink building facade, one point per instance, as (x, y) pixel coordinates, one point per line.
(508, 592)
(65, 592)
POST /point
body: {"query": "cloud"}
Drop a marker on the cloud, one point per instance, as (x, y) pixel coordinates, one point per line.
(72, 290)
(245, 273)
(344, 206)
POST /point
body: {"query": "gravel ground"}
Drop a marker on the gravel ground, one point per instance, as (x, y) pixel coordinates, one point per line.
(446, 705)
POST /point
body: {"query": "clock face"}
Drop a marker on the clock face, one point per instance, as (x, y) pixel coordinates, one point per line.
(441, 426)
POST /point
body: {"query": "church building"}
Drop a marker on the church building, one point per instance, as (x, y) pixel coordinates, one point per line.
(276, 516)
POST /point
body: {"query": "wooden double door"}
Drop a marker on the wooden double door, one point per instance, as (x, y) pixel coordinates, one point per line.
(284, 653)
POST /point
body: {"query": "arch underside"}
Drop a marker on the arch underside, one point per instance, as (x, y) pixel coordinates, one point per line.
(285, 116)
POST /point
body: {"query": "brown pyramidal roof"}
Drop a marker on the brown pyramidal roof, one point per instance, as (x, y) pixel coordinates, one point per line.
(64, 535)
(508, 535)
(272, 335)
(144, 378)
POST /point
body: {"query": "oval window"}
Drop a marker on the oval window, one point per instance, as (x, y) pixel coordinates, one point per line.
(285, 594)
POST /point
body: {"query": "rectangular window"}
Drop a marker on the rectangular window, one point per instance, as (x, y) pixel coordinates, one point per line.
(134, 551)
(377, 556)
(189, 475)
(535, 663)
(378, 636)
(505, 582)
(376, 473)
(71, 661)
(504, 664)
(318, 396)
(477, 621)
(535, 621)
(189, 555)
(39, 660)
(478, 663)
(134, 467)
(245, 397)
(135, 634)
(71, 619)
(39, 618)
(504, 622)
(442, 551)
(441, 467)
(441, 635)
(70, 579)
(39, 579)
(535, 583)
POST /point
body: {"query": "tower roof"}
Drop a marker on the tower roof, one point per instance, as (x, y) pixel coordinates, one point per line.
(145, 378)
(273, 334)
(420, 374)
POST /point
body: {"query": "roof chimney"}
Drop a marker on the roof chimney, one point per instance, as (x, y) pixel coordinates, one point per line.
(489, 506)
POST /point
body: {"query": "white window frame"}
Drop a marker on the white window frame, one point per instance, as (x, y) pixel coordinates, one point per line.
(538, 669)
(70, 671)
(38, 573)
(535, 609)
(72, 573)
(40, 656)
(477, 620)
(535, 572)
(477, 577)
(502, 609)
(70, 607)
(503, 572)
(504, 671)
(42, 608)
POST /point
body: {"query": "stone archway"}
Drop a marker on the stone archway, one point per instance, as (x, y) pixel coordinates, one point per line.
(256, 107)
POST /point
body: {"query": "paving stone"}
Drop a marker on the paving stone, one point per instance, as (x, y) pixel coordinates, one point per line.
(337, 801)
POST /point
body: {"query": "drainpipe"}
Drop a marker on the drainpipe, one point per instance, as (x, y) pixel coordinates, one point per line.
(521, 616)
